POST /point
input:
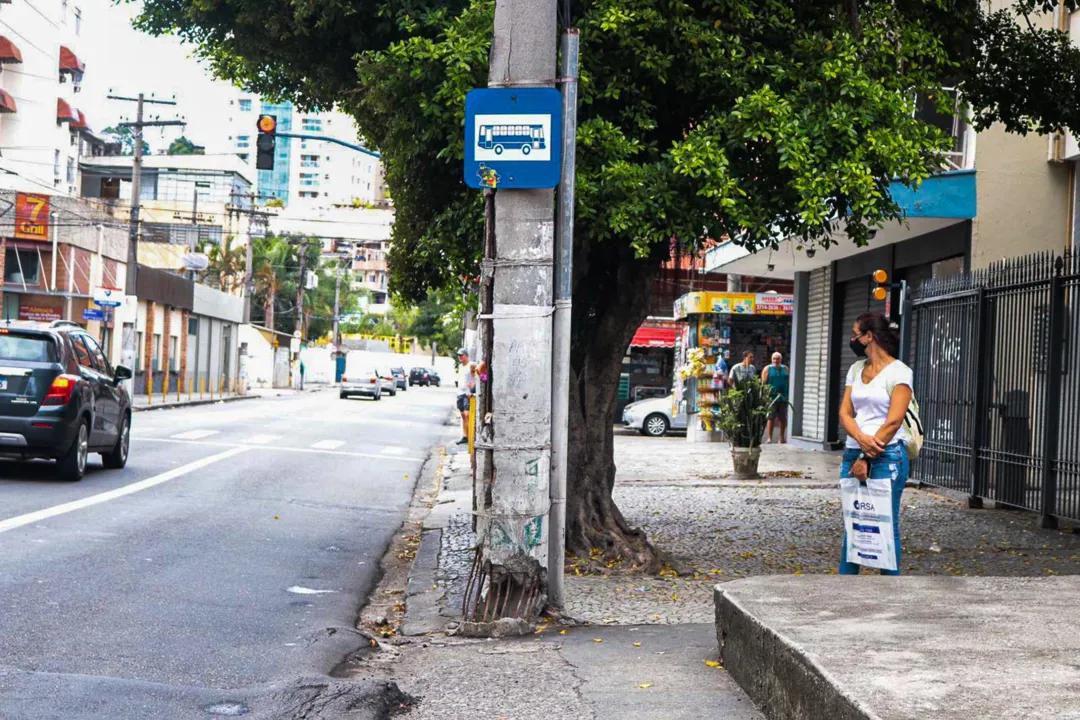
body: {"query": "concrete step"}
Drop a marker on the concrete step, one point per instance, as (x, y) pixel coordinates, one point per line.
(903, 648)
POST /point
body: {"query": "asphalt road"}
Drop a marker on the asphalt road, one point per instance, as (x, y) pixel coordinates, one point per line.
(220, 572)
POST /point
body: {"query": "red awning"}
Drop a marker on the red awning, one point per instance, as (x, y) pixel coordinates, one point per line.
(9, 52)
(70, 63)
(7, 103)
(64, 113)
(80, 123)
(654, 337)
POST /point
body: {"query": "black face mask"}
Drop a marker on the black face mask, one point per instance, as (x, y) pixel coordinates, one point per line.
(857, 347)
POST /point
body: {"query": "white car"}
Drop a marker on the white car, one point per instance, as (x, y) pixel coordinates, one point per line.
(653, 417)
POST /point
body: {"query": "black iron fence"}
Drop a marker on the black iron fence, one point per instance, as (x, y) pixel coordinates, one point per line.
(996, 376)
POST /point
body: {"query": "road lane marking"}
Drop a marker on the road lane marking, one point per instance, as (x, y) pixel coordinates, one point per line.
(327, 445)
(393, 450)
(309, 451)
(195, 434)
(39, 515)
(261, 439)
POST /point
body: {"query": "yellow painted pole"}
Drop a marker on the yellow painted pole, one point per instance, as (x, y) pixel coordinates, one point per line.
(202, 387)
(472, 424)
(149, 387)
(221, 387)
(189, 383)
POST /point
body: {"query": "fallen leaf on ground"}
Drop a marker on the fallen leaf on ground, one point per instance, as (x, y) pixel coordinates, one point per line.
(598, 640)
(562, 632)
(637, 644)
(645, 686)
(713, 663)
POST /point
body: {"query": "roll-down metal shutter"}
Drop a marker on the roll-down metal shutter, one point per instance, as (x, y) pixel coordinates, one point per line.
(812, 405)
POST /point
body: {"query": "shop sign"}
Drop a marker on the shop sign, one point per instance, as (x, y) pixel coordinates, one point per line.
(93, 314)
(770, 304)
(734, 304)
(39, 313)
(108, 297)
(31, 217)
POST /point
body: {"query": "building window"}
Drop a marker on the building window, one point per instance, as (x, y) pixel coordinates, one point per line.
(312, 124)
(174, 356)
(63, 11)
(244, 157)
(309, 161)
(243, 141)
(245, 106)
(71, 170)
(56, 163)
(309, 179)
(78, 21)
(156, 362)
(21, 266)
(139, 350)
(305, 194)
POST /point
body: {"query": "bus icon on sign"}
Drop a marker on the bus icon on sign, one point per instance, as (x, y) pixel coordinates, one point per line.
(500, 138)
(513, 138)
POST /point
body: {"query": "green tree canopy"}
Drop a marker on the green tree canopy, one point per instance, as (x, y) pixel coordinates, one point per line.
(126, 137)
(744, 119)
(183, 146)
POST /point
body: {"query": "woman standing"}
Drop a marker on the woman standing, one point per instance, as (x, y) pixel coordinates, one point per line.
(872, 413)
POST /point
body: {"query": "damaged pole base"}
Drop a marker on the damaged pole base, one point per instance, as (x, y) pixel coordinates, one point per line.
(503, 600)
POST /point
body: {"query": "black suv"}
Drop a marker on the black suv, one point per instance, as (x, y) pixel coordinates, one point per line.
(419, 376)
(60, 398)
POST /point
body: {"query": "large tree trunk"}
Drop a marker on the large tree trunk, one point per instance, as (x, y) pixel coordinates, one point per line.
(612, 295)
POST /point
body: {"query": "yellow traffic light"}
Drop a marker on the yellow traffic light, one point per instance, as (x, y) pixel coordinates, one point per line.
(880, 293)
(267, 123)
(880, 276)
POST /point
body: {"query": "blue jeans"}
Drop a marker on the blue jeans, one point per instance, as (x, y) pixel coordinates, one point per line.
(892, 463)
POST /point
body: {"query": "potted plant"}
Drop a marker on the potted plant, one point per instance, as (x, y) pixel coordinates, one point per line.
(744, 412)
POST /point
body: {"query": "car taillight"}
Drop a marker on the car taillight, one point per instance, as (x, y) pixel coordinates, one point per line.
(60, 390)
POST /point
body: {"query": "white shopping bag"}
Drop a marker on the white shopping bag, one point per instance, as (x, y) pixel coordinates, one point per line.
(868, 519)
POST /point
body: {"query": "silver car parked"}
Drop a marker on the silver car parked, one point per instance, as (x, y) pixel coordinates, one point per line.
(653, 417)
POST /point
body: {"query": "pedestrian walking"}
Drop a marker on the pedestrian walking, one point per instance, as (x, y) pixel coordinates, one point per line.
(744, 369)
(776, 376)
(466, 388)
(876, 399)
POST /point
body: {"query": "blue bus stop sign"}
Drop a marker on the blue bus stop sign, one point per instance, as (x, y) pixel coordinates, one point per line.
(513, 138)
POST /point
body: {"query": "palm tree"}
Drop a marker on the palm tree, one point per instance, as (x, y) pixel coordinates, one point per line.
(273, 256)
(226, 268)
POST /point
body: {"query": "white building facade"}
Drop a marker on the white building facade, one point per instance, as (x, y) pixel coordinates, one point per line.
(307, 174)
(42, 129)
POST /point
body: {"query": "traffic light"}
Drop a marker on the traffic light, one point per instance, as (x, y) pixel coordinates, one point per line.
(265, 142)
(881, 292)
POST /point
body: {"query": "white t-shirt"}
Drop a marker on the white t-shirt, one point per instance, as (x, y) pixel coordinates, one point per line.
(872, 400)
(464, 378)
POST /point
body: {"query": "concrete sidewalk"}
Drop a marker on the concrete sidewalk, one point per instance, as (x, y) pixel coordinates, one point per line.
(141, 403)
(908, 648)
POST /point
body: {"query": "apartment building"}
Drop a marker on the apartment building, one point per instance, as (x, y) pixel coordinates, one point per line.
(308, 173)
(42, 129)
(187, 202)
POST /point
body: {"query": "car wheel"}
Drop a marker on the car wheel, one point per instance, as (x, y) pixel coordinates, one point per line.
(655, 425)
(343, 396)
(117, 458)
(377, 396)
(71, 466)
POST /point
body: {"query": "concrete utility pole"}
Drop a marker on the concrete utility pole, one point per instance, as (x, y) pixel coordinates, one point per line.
(136, 174)
(300, 290)
(514, 449)
(337, 306)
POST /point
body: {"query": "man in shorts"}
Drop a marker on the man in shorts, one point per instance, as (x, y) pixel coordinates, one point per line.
(777, 376)
(466, 388)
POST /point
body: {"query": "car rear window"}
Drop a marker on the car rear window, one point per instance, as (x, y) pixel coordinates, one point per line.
(27, 348)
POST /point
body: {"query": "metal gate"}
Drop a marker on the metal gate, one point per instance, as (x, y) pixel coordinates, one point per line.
(281, 367)
(998, 389)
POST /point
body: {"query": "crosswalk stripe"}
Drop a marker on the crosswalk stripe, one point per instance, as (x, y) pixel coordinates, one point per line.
(261, 439)
(194, 434)
(327, 444)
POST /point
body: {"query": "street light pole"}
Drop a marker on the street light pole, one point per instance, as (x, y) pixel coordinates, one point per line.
(136, 198)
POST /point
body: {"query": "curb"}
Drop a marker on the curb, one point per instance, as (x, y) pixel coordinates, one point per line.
(781, 680)
(192, 403)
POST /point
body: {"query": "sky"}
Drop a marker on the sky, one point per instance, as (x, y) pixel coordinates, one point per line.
(124, 61)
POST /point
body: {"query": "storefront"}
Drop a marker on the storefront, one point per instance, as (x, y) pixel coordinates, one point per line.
(648, 365)
(713, 325)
